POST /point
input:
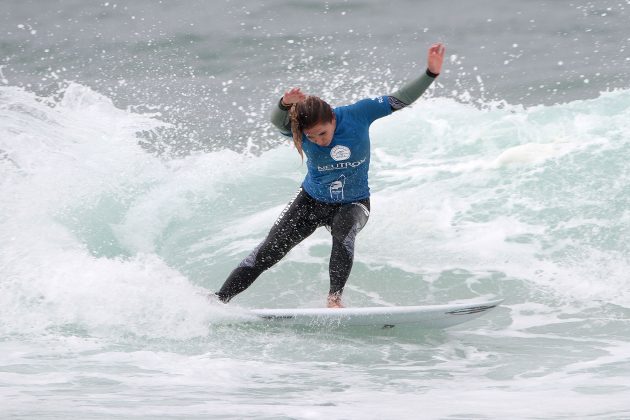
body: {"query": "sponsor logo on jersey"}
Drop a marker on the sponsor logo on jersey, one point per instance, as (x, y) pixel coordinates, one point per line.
(336, 188)
(340, 153)
(340, 165)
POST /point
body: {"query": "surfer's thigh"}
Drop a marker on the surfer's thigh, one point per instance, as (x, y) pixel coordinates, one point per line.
(296, 222)
(349, 220)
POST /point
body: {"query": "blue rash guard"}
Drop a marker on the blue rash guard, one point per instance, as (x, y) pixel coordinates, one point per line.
(338, 173)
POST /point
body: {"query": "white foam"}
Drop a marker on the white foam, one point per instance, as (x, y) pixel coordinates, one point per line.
(70, 155)
(454, 187)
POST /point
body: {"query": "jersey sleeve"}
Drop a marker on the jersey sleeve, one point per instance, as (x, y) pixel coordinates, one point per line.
(280, 119)
(412, 90)
(372, 109)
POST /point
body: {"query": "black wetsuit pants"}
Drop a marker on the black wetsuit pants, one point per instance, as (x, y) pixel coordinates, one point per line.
(297, 221)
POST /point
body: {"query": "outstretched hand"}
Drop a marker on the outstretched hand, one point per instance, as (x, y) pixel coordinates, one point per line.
(436, 58)
(293, 96)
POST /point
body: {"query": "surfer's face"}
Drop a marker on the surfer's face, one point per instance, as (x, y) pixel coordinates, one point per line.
(321, 133)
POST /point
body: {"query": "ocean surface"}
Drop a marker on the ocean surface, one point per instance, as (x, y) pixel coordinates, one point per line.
(138, 167)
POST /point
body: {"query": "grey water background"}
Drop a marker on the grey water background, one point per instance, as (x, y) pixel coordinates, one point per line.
(214, 67)
(511, 180)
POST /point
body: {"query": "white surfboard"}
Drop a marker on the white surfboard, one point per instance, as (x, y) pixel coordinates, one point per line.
(432, 316)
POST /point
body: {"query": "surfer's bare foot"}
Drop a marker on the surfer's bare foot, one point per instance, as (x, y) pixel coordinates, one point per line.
(334, 301)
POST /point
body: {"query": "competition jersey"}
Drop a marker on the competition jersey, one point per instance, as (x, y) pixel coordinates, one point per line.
(338, 173)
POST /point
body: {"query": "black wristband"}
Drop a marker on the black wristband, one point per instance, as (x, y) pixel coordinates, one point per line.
(431, 74)
(283, 106)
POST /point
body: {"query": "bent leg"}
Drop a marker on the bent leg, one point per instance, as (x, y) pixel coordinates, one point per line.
(346, 224)
(296, 222)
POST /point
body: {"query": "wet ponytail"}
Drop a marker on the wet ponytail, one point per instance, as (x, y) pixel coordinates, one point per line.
(307, 114)
(296, 130)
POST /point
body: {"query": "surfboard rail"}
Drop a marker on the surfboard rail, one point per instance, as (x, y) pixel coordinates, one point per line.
(432, 316)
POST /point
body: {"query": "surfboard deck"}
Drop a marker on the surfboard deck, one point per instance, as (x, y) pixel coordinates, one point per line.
(430, 316)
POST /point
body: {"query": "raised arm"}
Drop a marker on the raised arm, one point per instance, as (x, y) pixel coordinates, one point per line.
(280, 114)
(412, 90)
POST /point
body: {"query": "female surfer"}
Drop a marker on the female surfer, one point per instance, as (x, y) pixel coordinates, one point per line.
(335, 192)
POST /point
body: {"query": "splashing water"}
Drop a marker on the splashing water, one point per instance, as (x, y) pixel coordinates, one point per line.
(108, 250)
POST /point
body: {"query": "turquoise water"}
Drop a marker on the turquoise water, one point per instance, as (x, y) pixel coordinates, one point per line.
(112, 232)
(108, 251)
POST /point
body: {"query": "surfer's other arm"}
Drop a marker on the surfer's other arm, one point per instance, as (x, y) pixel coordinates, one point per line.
(412, 90)
(280, 114)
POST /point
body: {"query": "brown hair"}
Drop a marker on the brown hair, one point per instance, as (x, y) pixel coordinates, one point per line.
(306, 114)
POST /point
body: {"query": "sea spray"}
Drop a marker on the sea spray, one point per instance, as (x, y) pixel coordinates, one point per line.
(108, 251)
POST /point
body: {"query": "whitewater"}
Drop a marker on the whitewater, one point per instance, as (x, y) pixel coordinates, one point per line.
(108, 250)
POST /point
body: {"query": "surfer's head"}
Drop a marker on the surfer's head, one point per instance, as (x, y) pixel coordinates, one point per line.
(314, 118)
